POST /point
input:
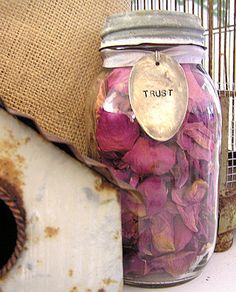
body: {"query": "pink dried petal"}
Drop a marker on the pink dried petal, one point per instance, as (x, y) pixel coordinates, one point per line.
(196, 192)
(181, 169)
(200, 134)
(178, 196)
(134, 180)
(135, 265)
(163, 232)
(177, 264)
(118, 80)
(149, 157)
(155, 194)
(196, 141)
(182, 234)
(189, 215)
(115, 132)
(197, 152)
(198, 98)
(132, 204)
(171, 208)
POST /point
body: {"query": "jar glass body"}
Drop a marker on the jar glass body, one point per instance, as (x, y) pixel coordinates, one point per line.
(169, 230)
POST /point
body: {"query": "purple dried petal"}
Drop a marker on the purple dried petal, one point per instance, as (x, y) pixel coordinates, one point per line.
(115, 132)
(135, 265)
(155, 194)
(181, 169)
(189, 215)
(132, 204)
(118, 80)
(129, 228)
(145, 243)
(176, 264)
(182, 234)
(200, 168)
(149, 157)
(163, 232)
(123, 175)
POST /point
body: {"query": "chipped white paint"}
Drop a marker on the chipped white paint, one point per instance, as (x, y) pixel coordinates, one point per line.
(73, 230)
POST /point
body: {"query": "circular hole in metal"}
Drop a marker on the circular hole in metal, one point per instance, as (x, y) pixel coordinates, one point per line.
(12, 231)
(8, 234)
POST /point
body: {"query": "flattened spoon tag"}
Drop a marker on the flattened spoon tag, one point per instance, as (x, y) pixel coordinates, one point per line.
(158, 93)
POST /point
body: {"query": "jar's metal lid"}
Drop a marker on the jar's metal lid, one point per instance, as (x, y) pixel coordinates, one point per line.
(152, 27)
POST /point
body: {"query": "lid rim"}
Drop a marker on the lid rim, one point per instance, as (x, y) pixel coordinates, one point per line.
(155, 24)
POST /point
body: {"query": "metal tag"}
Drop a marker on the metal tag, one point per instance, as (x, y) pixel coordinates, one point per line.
(158, 94)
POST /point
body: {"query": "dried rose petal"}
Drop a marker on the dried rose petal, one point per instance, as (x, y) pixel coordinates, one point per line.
(192, 139)
(132, 204)
(178, 196)
(150, 157)
(129, 227)
(198, 98)
(189, 215)
(117, 103)
(200, 168)
(196, 192)
(118, 80)
(171, 208)
(182, 234)
(176, 264)
(145, 243)
(181, 169)
(197, 152)
(200, 134)
(155, 194)
(115, 132)
(163, 232)
(122, 174)
(136, 265)
(134, 180)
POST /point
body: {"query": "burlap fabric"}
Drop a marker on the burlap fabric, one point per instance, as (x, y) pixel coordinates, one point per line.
(48, 57)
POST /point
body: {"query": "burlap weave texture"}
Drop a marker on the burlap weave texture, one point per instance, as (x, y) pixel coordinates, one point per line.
(48, 57)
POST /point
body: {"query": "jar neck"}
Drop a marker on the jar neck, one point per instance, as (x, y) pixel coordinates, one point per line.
(127, 57)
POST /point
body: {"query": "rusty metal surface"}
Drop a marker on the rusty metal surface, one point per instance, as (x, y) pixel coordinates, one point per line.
(224, 241)
(227, 208)
(73, 224)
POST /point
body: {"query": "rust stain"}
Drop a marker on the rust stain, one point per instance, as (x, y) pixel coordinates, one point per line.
(88, 290)
(224, 241)
(117, 235)
(227, 209)
(9, 172)
(51, 232)
(102, 185)
(74, 289)
(109, 281)
(101, 290)
(70, 273)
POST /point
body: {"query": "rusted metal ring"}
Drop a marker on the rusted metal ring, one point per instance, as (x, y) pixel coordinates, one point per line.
(19, 216)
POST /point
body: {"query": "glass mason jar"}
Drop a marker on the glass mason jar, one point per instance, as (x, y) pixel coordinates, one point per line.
(162, 144)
